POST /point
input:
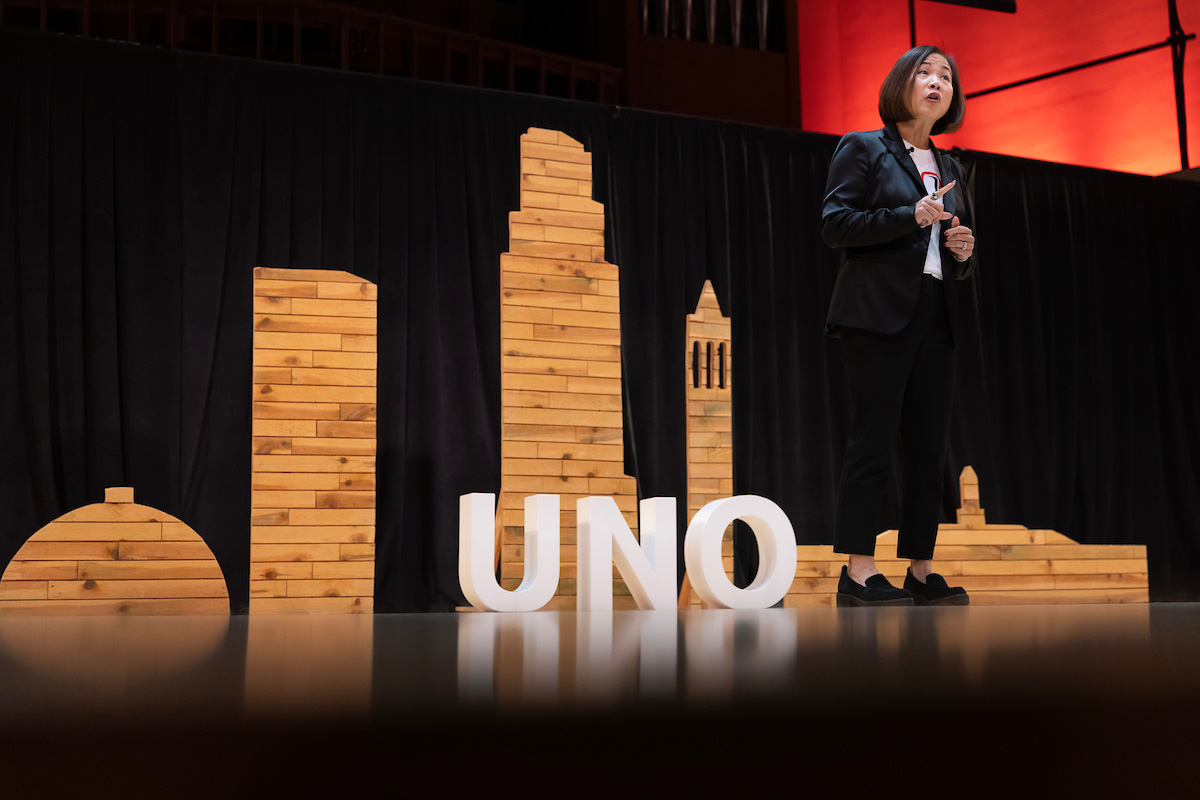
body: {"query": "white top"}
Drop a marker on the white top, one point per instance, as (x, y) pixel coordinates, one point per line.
(927, 166)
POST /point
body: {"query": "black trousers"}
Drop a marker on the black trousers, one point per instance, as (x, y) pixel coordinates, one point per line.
(900, 385)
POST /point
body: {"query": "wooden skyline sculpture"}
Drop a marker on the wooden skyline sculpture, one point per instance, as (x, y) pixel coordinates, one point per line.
(115, 557)
(996, 564)
(560, 359)
(312, 534)
(709, 391)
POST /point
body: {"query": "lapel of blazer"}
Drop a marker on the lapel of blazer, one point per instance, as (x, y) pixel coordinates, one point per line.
(895, 145)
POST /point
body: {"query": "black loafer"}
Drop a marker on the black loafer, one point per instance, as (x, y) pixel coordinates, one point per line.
(935, 592)
(877, 592)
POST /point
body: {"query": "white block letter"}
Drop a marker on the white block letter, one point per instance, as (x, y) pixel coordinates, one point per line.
(776, 552)
(648, 569)
(477, 553)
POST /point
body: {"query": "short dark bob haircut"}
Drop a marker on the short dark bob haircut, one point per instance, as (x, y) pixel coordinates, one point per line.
(893, 94)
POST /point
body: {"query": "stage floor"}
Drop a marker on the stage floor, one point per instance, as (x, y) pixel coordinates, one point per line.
(1096, 698)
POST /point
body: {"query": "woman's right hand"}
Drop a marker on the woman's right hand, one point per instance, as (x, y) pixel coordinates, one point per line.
(929, 209)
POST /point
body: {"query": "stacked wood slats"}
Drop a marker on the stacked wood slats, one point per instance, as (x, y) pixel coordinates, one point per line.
(560, 356)
(115, 557)
(709, 417)
(312, 535)
(996, 564)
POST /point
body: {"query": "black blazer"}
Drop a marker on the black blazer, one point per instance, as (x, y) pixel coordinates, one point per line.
(870, 199)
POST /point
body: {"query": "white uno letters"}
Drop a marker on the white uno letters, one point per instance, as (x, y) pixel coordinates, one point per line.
(776, 552)
(648, 568)
(477, 553)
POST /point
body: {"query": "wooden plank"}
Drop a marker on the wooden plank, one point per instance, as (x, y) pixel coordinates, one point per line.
(558, 218)
(283, 358)
(312, 534)
(264, 445)
(41, 570)
(584, 402)
(284, 288)
(1058, 596)
(542, 183)
(270, 516)
(357, 411)
(554, 416)
(552, 233)
(272, 305)
(602, 369)
(320, 376)
(332, 516)
(572, 334)
(100, 532)
(125, 607)
(564, 169)
(539, 135)
(539, 200)
(288, 274)
(520, 381)
(535, 265)
(149, 551)
(341, 429)
(21, 590)
(607, 305)
(329, 307)
(338, 359)
(337, 499)
(134, 589)
(281, 570)
(573, 252)
(545, 484)
(336, 290)
(274, 588)
(149, 570)
(355, 552)
(34, 550)
(565, 350)
(360, 343)
(549, 283)
(530, 466)
(356, 481)
(541, 299)
(270, 340)
(512, 313)
(294, 552)
(329, 570)
(555, 152)
(272, 499)
(113, 512)
(539, 433)
(328, 445)
(285, 481)
(583, 452)
(593, 385)
(315, 394)
(336, 587)
(312, 463)
(294, 411)
(543, 366)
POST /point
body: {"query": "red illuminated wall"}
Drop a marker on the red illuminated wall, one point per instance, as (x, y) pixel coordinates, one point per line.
(1119, 115)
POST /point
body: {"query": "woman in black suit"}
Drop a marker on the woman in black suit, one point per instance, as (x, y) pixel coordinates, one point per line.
(891, 207)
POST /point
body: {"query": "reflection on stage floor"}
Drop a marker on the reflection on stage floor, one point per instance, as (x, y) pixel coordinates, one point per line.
(817, 687)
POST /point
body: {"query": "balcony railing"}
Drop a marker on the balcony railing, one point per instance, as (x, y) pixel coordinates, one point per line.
(323, 34)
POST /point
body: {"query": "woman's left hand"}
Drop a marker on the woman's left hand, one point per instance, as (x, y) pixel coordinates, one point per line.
(960, 240)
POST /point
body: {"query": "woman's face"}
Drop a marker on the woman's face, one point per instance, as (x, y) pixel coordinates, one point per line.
(932, 89)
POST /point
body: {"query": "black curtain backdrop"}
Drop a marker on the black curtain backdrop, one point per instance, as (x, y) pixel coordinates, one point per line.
(139, 187)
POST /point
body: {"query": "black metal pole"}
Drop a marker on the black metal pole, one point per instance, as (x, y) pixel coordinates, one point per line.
(1077, 67)
(1178, 45)
(912, 23)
